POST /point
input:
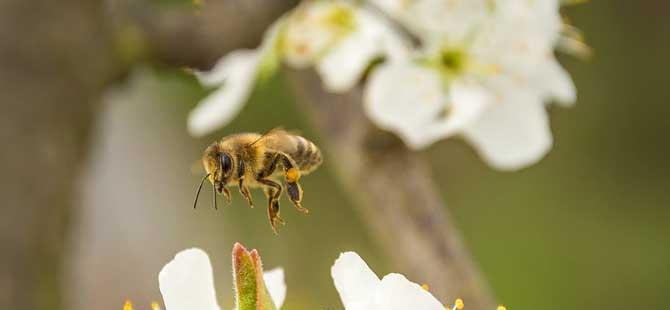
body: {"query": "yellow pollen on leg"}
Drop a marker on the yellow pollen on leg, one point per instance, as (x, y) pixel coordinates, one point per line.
(292, 175)
(128, 305)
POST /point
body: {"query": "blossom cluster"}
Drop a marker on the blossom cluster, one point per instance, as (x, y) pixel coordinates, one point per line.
(483, 70)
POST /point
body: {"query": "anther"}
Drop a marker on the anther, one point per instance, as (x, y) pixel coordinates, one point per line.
(458, 304)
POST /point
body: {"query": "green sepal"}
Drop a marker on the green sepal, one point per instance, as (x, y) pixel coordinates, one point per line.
(250, 290)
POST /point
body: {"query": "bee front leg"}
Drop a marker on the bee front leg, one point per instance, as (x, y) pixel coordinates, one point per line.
(226, 193)
(293, 188)
(244, 190)
(273, 206)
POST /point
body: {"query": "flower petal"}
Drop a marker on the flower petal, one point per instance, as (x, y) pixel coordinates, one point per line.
(314, 27)
(398, 293)
(187, 283)
(513, 133)
(274, 282)
(557, 83)
(237, 71)
(344, 65)
(354, 280)
(406, 99)
(467, 102)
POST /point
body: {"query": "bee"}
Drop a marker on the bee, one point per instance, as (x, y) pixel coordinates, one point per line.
(252, 160)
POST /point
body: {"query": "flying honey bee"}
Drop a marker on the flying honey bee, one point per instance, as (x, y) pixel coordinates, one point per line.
(250, 160)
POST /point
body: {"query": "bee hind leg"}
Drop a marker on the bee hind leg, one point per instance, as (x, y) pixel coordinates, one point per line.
(272, 192)
(294, 192)
(293, 188)
(244, 190)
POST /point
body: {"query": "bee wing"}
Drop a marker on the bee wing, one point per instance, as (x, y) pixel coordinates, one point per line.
(269, 133)
(280, 141)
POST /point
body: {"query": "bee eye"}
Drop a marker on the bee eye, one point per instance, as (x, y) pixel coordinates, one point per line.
(226, 163)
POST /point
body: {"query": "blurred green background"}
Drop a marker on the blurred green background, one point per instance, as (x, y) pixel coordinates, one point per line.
(588, 227)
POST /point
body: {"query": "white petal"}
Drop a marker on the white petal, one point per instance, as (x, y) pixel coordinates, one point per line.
(557, 83)
(453, 20)
(354, 280)
(406, 99)
(398, 293)
(513, 133)
(309, 31)
(224, 68)
(274, 282)
(343, 66)
(238, 70)
(467, 102)
(186, 282)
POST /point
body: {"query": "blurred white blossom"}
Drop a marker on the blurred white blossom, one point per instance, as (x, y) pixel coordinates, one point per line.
(187, 283)
(486, 78)
(481, 69)
(339, 38)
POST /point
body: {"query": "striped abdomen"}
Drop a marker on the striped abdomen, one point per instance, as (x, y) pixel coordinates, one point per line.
(306, 155)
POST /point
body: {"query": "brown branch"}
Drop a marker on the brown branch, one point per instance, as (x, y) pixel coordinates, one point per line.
(196, 36)
(395, 192)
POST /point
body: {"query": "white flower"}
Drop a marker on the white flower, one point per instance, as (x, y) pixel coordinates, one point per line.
(187, 283)
(339, 38)
(488, 81)
(361, 289)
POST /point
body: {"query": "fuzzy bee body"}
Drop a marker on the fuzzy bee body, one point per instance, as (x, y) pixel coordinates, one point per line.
(251, 160)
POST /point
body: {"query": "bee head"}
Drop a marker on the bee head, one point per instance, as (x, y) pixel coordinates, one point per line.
(219, 166)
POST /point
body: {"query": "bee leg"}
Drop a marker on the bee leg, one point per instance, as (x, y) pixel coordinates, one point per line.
(293, 188)
(273, 193)
(244, 190)
(226, 193)
(273, 209)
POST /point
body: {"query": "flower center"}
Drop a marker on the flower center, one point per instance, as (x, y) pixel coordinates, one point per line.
(452, 60)
(340, 19)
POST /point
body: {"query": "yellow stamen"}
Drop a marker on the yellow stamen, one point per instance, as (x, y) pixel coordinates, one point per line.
(425, 287)
(501, 308)
(458, 304)
(155, 306)
(128, 305)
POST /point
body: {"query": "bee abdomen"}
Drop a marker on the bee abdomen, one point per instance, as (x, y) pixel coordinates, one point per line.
(307, 155)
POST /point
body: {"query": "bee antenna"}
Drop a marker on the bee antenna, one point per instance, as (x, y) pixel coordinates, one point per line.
(214, 197)
(197, 194)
